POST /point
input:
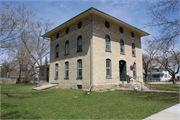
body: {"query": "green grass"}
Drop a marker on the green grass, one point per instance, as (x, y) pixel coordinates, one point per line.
(168, 87)
(19, 101)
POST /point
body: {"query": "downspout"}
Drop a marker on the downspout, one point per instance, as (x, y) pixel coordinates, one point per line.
(90, 51)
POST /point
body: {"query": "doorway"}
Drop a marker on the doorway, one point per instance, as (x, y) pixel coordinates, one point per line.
(122, 70)
(47, 75)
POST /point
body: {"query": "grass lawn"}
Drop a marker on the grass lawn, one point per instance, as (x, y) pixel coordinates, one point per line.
(19, 101)
(169, 87)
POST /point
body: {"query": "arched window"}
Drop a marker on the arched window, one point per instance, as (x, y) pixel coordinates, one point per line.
(56, 71)
(79, 69)
(67, 48)
(108, 68)
(79, 43)
(122, 46)
(57, 51)
(66, 70)
(108, 43)
(133, 50)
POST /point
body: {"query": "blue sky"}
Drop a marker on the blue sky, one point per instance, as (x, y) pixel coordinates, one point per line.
(59, 11)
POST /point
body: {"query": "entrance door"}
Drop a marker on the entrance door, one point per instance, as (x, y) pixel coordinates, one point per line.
(122, 70)
(47, 75)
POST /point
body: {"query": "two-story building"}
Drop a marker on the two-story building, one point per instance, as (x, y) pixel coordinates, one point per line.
(93, 50)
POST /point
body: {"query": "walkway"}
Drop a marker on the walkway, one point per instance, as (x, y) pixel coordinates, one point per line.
(44, 86)
(172, 113)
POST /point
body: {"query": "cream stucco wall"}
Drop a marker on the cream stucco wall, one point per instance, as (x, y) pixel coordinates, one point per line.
(99, 55)
(73, 56)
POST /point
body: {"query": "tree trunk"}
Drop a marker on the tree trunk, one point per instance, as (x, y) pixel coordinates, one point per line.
(19, 79)
(173, 77)
(150, 69)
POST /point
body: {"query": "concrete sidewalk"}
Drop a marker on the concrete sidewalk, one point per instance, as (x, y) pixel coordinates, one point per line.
(172, 113)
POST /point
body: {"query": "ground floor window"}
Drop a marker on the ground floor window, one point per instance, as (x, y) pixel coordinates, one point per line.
(66, 70)
(134, 71)
(56, 71)
(79, 69)
(108, 68)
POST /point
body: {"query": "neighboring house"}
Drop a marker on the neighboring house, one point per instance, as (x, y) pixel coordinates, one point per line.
(93, 50)
(177, 76)
(159, 74)
(15, 75)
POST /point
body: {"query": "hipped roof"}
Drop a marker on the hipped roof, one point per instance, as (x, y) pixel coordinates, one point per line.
(98, 13)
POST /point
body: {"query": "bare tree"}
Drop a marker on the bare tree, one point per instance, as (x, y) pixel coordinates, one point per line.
(14, 18)
(146, 66)
(150, 50)
(164, 17)
(169, 58)
(21, 32)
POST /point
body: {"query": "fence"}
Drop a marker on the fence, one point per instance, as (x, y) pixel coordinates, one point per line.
(7, 81)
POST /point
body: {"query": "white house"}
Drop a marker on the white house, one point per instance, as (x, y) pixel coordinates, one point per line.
(159, 74)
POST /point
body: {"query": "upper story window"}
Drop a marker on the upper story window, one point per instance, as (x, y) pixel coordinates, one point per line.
(57, 51)
(79, 69)
(57, 35)
(107, 24)
(108, 68)
(132, 34)
(122, 46)
(121, 29)
(79, 25)
(56, 71)
(67, 48)
(66, 70)
(108, 43)
(79, 43)
(67, 30)
(133, 50)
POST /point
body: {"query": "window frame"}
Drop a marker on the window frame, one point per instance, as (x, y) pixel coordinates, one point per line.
(134, 71)
(66, 70)
(79, 39)
(107, 37)
(67, 48)
(78, 69)
(56, 71)
(108, 68)
(133, 50)
(57, 51)
(122, 47)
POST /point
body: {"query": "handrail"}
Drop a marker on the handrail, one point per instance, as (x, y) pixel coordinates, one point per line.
(138, 80)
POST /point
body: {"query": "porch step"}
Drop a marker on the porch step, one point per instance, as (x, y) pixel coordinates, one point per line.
(44, 87)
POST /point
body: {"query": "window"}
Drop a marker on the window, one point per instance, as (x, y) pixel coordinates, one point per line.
(79, 25)
(67, 48)
(57, 35)
(107, 24)
(165, 76)
(79, 69)
(79, 44)
(42, 70)
(66, 70)
(134, 71)
(133, 50)
(122, 46)
(67, 30)
(121, 29)
(132, 34)
(108, 43)
(57, 51)
(56, 71)
(108, 68)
